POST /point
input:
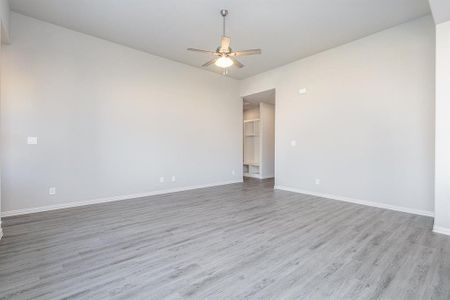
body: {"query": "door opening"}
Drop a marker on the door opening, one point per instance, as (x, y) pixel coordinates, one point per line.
(259, 135)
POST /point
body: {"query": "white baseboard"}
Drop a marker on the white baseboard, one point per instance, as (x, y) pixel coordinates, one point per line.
(441, 230)
(258, 176)
(252, 176)
(111, 199)
(357, 201)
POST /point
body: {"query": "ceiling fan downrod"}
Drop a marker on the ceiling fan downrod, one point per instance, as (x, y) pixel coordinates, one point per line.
(223, 13)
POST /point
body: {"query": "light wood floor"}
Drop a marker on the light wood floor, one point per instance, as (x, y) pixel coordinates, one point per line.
(229, 242)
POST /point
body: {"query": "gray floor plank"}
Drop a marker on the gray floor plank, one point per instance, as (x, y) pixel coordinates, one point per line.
(240, 241)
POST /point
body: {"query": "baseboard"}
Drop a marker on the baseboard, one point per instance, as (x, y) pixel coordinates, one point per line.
(111, 199)
(357, 201)
(252, 176)
(441, 230)
(258, 176)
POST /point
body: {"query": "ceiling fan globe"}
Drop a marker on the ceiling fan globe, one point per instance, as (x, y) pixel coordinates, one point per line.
(224, 62)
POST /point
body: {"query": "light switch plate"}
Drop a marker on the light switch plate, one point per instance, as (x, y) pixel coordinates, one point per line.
(302, 91)
(293, 143)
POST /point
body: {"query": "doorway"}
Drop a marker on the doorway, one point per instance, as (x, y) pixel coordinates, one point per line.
(259, 135)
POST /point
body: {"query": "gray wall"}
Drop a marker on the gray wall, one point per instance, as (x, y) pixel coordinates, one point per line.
(110, 120)
(365, 128)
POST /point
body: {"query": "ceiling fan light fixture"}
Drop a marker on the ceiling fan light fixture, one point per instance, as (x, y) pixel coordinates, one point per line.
(223, 56)
(224, 62)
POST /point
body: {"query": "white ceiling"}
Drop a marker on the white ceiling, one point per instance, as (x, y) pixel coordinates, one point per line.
(285, 30)
(441, 10)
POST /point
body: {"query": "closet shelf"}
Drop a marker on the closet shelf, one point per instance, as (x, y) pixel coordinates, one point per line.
(252, 120)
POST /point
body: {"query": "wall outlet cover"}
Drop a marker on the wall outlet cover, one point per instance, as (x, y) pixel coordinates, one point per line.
(161, 179)
(32, 140)
(52, 191)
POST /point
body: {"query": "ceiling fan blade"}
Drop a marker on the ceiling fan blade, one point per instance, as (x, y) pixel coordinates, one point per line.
(246, 52)
(210, 62)
(225, 44)
(236, 62)
(201, 50)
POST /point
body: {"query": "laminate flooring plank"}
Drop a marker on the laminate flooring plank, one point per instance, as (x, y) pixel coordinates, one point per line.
(238, 241)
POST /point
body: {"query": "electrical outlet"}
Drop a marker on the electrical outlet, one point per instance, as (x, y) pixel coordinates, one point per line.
(52, 191)
(174, 178)
(233, 172)
(161, 179)
(293, 143)
(317, 181)
(32, 140)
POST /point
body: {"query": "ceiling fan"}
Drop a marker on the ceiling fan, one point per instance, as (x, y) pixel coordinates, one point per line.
(224, 56)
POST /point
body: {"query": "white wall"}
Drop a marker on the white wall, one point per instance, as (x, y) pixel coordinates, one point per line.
(110, 120)
(1, 230)
(442, 175)
(365, 128)
(267, 116)
(4, 35)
